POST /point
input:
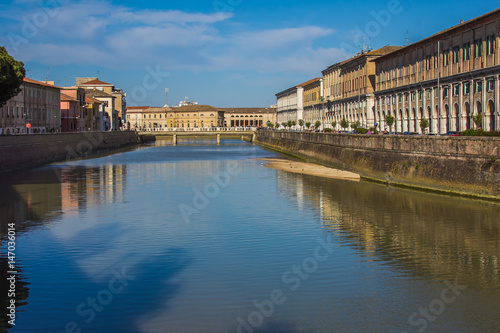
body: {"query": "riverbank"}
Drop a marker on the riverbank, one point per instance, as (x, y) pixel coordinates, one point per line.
(32, 150)
(453, 165)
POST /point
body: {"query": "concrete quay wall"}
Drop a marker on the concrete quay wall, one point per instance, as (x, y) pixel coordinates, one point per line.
(461, 165)
(31, 150)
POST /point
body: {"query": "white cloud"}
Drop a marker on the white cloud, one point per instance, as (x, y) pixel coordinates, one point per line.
(108, 35)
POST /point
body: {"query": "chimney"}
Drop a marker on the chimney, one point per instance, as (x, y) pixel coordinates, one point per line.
(461, 21)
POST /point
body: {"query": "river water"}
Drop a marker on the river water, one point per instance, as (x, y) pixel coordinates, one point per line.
(204, 238)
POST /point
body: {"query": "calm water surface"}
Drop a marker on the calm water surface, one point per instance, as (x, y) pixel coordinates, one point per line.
(204, 238)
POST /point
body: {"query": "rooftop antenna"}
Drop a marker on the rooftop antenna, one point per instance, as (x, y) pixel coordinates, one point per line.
(166, 95)
(97, 74)
(47, 77)
(407, 39)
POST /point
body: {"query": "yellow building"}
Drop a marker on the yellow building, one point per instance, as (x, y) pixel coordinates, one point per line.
(117, 114)
(313, 101)
(249, 117)
(446, 78)
(190, 117)
(349, 88)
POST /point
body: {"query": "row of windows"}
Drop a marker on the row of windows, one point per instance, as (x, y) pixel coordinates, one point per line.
(18, 112)
(310, 97)
(431, 60)
(478, 87)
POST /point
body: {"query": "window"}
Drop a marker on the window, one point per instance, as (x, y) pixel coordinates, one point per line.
(456, 54)
(490, 85)
(445, 57)
(445, 92)
(466, 51)
(394, 99)
(466, 88)
(490, 44)
(413, 97)
(400, 98)
(477, 48)
(478, 86)
(428, 62)
(456, 90)
(429, 94)
(420, 95)
(436, 62)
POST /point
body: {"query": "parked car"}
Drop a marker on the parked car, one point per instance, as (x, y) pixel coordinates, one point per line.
(410, 133)
(452, 133)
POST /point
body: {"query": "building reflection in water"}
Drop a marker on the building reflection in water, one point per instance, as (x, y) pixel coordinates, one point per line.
(424, 235)
(41, 196)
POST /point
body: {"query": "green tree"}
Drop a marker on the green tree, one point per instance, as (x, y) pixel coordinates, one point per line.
(12, 73)
(424, 123)
(289, 124)
(301, 123)
(285, 124)
(478, 120)
(389, 120)
(294, 123)
(317, 124)
(308, 124)
(355, 125)
(344, 123)
(270, 124)
(334, 124)
(277, 125)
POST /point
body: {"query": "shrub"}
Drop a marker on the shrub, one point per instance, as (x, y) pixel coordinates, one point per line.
(328, 130)
(479, 132)
(361, 130)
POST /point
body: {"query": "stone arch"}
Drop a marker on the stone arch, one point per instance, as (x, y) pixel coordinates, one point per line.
(456, 115)
(491, 112)
(479, 108)
(447, 122)
(429, 116)
(399, 121)
(415, 120)
(468, 116)
(407, 118)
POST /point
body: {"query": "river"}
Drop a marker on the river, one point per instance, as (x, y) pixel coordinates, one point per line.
(201, 237)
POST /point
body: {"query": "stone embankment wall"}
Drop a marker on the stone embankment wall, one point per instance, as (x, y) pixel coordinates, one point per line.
(464, 165)
(24, 151)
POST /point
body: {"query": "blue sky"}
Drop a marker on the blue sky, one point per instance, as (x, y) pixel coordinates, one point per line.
(226, 53)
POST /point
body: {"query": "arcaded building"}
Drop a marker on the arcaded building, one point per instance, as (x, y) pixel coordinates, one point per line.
(446, 78)
(249, 117)
(349, 88)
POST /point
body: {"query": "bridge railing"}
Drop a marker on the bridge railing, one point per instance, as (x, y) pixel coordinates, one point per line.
(209, 129)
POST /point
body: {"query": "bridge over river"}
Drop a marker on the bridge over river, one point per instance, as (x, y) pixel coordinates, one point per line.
(243, 133)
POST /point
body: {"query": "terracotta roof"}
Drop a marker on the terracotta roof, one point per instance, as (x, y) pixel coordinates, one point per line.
(92, 100)
(249, 110)
(309, 82)
(137, 107)
(96, 83)
(456, 27)
(158, 109)
(375, 53)
(40, 83)
(187, 108)
(66, 98)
